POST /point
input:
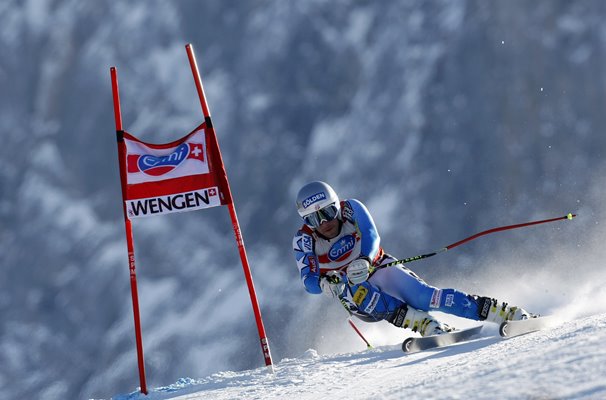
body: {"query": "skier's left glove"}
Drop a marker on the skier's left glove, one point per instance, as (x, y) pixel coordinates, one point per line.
(358, 271)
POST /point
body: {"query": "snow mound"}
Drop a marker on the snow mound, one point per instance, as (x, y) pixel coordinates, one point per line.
(566, 361)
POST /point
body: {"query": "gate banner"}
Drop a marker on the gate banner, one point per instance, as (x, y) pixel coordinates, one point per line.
(172, 177)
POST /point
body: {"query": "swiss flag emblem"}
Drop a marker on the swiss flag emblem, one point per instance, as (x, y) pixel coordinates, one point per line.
(196, 151)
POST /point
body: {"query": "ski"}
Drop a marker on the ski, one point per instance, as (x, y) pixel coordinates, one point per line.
(412, 345)
(515, 328)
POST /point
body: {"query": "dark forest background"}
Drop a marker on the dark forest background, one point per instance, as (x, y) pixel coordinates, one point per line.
(445, 118)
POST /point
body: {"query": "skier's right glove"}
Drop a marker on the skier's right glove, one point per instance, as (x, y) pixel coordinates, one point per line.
(331, 284)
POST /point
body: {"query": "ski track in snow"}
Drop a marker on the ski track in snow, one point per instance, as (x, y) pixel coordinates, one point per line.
(567, 361)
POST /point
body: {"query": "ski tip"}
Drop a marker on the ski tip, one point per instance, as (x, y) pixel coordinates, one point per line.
(503, 329)
(406, 345)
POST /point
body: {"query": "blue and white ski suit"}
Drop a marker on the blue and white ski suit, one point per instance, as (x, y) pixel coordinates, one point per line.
(388, 289)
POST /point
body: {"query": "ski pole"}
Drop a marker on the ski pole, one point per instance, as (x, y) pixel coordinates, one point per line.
(337, 279)
(355, 328)
(570, 216)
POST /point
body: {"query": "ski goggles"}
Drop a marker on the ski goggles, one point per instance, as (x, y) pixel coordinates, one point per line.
(325, 214)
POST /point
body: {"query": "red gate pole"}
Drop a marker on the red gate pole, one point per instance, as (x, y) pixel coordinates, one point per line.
(129, 230)
(232, 211)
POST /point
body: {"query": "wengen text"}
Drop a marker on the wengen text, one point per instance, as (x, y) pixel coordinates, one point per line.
(172, 203)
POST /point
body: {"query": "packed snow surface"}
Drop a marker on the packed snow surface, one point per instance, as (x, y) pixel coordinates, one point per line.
(566, 361)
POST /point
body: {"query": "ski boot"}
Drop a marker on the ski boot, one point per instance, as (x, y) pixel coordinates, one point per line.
(422, 322)
(489, 309)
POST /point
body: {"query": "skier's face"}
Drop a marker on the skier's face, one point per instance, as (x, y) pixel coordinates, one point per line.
(329, 229)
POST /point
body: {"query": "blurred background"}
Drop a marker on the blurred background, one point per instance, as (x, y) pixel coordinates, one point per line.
(445, 118)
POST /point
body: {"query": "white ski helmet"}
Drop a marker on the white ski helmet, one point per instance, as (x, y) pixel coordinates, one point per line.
(317, 202)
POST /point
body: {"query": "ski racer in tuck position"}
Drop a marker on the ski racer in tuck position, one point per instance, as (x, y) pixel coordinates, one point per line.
(338, 253)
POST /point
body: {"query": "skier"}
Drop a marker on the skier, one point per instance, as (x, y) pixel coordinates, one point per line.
(338, 253)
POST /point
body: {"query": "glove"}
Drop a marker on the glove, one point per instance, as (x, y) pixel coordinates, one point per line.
(331, 284)
(357, 271)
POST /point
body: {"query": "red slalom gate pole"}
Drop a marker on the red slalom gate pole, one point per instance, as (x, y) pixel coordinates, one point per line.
(129, 231)
(232, 210)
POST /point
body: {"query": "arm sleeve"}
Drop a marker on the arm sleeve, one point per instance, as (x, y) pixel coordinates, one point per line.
(370, 236)
(307, 262)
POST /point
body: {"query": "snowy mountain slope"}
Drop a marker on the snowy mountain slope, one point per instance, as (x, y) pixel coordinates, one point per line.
(567, 361)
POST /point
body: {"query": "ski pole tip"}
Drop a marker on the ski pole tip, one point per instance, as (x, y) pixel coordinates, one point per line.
(571, 215)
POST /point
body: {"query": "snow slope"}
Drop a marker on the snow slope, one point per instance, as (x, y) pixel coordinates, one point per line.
(567, 361)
